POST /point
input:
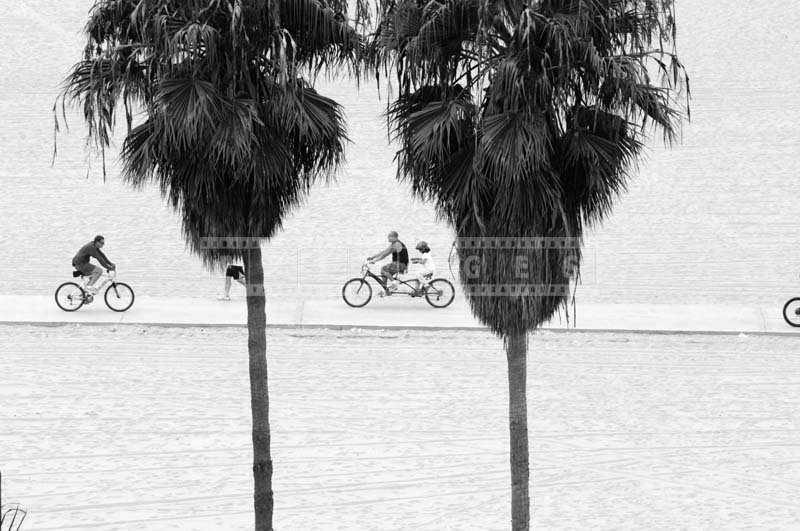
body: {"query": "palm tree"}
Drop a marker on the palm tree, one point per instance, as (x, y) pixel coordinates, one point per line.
(228, 127)
(521, 122)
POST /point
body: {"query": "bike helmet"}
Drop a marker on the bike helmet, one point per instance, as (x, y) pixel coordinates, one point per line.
(422, 247)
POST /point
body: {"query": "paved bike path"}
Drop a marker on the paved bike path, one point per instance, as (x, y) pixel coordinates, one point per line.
(393, 312)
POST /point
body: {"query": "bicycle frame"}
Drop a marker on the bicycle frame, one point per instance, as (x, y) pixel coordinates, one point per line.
(71, 296)
(415, 292)
(104, 280)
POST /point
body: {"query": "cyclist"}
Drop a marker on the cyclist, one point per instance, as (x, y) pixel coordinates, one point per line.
(399, 262)
(424, 268)
(92, 250)
(233, 272)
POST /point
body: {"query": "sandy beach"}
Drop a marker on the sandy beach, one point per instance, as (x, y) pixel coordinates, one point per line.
(116, 427)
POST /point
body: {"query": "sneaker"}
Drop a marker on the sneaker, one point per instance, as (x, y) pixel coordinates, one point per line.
(224, 298)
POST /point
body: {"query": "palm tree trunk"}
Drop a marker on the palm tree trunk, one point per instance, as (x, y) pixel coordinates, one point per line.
(516, 353)
(259, 389)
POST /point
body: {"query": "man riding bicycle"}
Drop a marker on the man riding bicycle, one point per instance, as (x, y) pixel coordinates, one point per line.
(399, 262)
(92, 250)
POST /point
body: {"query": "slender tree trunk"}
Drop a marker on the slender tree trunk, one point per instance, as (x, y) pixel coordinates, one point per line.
(516, 353)
(259, 389)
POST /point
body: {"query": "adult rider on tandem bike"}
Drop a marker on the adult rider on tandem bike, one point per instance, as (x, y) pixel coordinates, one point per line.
(399, 263)
(439, 292)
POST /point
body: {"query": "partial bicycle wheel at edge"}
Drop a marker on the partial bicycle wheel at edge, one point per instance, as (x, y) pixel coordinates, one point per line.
(69, 296)
(119, 296)
(440, 293)
(791, 312)
(357, 292)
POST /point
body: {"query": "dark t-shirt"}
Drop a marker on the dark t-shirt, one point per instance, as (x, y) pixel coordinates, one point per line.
(90, 250)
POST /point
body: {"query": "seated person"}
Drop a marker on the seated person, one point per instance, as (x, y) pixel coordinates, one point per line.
(399, 262)
(81, 261)
(423, 267)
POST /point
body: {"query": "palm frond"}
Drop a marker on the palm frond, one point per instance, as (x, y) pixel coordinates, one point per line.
(190, 107)
(513, 146)
(554, 100)
(320, 33)
(232, 133)
(315, 128)
(595, 157)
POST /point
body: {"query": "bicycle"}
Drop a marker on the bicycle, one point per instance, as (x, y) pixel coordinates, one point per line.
(71, 296)
(357, 292)
(791, 312)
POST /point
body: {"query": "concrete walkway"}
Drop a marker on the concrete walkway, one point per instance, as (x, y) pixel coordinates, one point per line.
(394, 312)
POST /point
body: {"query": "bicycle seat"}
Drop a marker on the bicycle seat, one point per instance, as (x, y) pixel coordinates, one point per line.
(76, 274)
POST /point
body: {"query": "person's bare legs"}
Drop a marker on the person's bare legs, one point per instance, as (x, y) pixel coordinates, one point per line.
(385, 274)
(93, 276)
(389, 272)
(241, 280)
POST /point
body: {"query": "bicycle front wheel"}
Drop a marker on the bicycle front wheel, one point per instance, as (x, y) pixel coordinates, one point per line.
(440, 293)
(70, 296)
(357, 292)
(119, 296)
(791, 312)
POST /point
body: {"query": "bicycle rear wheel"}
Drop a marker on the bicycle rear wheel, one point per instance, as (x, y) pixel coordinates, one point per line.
(119, 296)
(70, 296)
(357, 292)
(440, 293)
(791, 312)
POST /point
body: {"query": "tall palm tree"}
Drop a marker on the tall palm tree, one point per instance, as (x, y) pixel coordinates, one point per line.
(220, 116)
(522, 121)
